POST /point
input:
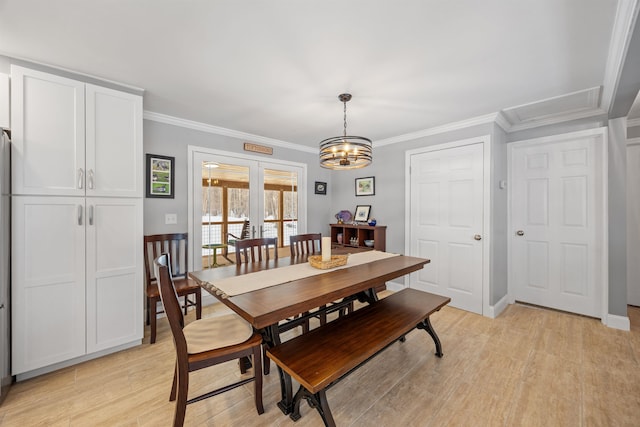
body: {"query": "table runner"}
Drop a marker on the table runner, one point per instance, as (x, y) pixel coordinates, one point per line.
(237, 285)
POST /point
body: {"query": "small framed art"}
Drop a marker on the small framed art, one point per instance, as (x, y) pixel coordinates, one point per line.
(160, 176)
(321, 187)
(365, 186)
(362, 213)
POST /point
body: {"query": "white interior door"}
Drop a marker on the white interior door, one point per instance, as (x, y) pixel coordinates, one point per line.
(633, 224)
(557, 203)
(447, 223)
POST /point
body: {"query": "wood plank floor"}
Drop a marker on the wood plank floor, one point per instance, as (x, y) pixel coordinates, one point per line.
(528, 367)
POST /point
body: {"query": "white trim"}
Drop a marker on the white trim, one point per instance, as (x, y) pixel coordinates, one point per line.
(463, 124)
(203, 127)
(503, 122)
(395, 286)
(561, 118)
(617, 322)
(53, 68)
(499, 307)
(633, 141)
(604, 262)
(633, 122)
(624, 21)
(192, 150)
(50, 368)
(485, 140)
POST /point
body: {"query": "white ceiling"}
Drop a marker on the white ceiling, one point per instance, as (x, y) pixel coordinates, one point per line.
(274, 68)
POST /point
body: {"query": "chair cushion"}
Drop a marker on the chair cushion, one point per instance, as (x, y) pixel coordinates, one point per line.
(216, 332)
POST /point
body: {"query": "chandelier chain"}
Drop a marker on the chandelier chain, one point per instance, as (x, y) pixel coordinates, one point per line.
(345, 118)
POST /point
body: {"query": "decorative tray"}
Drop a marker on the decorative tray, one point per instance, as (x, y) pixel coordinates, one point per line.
(336, 261)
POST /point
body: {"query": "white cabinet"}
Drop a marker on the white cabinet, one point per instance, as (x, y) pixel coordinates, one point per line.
(77, 234)
(77, 275)
(113, 143)
(48, 281)
(74, 139)
(114, 272)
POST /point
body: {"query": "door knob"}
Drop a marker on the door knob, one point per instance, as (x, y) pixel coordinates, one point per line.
(519, 233)
(477, 237)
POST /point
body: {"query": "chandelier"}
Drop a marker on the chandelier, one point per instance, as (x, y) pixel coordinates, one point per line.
(345, 152)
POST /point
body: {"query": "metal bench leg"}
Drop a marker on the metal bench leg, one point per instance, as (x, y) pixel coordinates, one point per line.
(318, 401)
(426, 325)
(286, 390)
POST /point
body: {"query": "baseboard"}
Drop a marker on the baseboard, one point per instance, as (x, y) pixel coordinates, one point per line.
(45, 370)
(617, 322)
(394, 286)
(499, 307)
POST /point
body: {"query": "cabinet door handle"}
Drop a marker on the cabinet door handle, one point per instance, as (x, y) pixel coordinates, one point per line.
(90, 178)
(79, 214)
(91, 215)
(80, 178)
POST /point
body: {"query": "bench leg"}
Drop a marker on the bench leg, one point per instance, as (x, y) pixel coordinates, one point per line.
(318, 401)
(286, 391)
(426, 325)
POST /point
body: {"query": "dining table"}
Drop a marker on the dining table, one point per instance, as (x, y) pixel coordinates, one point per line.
(277, 295)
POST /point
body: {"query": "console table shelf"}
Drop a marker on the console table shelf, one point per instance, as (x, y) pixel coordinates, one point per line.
(377, 233)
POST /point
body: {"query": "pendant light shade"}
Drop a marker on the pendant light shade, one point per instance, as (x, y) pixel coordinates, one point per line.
(345, 152)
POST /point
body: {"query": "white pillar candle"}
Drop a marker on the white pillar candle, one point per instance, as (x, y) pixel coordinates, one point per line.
(326, 249)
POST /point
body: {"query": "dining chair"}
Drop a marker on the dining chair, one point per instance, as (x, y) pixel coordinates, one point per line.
(311, 244)
(232, 238)
(252, 250)
(176, 245)
(204, 343)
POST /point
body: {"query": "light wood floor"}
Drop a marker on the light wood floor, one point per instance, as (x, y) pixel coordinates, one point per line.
(528, 367)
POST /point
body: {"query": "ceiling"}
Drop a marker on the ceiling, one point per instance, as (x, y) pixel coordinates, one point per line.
(275, 68)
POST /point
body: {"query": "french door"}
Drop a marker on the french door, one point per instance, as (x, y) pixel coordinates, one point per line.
(229, 189)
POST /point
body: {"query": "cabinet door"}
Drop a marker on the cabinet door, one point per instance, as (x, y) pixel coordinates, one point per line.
(114, 143)
(48, 287)
(47, 120)
(115, 282)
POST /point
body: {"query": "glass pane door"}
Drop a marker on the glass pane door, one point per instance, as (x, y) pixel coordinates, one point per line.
(280, 204)
(235, 198)
(222, 206)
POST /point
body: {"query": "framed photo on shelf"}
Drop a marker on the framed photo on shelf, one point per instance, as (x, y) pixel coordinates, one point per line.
(366, 186)
(160, 176)
(321, 187)
(362, 213)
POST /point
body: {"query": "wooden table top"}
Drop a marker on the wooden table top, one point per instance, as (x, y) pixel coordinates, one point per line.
(268, 306)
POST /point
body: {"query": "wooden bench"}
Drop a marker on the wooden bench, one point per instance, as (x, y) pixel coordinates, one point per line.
(320, 358)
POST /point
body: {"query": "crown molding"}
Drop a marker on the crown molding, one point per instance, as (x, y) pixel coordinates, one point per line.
(626, 15)
(217, 130)
(633, 122)
(65, 72)
(481, 120)
(503, 122)
(559, 119)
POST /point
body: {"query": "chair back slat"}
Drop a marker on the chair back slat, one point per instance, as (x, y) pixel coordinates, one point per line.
(310, 243)
(252, 250)
(169, 299)
(176, 245)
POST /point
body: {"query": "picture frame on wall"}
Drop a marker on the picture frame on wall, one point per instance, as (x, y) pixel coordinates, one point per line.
(362, 213)
(160, 176)
(366, 186)
(321, 187)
